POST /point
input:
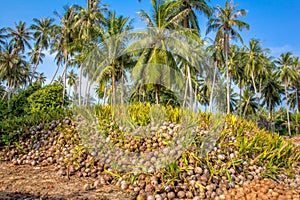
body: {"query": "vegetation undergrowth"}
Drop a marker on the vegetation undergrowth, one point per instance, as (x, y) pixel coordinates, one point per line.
(34, 106)
(240, 142)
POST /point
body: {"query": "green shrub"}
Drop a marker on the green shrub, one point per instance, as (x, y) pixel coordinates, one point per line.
(3, 108)
(139, 113)
(19, 104)
(13, 128)
(47, 99)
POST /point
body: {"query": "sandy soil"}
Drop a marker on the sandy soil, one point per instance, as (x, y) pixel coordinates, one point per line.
(27, 182)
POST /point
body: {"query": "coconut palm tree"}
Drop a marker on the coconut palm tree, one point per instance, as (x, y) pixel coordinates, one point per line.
(204, 93)
(20, 36)
(217, 58)
(188, 10)
(90, 19)
(12, 64)
(162, 17)
(286, 75)
(237, 71)
(160, 36)
(220, 96)
(224, 21)
(255, 65)
(41, 78)
(248, 104)
(72, 80)
(236, 66)
(65, 35)
(26, 74)
(295, 86)
(36, 57)
(113, 41)
(42, 34)
(271, 93)
(89, 24)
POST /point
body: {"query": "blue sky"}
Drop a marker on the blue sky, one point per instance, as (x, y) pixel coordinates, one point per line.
(275, 22)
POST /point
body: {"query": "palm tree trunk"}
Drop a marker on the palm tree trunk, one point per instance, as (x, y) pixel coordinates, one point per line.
(195, 98)
(89, 91)
(113, 83)
(35, 66)
(255, 90)
(246, 107)
(80, 83)
(186, 22)
(58, 66)
(297, 100)
(190, 86)
(226, 42)
(186, 18)
(74, 94)
(287, 107)
(157, 94)
(8, 97)
(104, 95)
(271, 115)
(122, 89)
(212, 89)
(69, 91)
(259, 97)
(240, 101)
(185, 93)
(65, 82)
(86, 97)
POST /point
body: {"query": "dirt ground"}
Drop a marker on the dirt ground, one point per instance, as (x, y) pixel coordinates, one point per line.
(27, 182)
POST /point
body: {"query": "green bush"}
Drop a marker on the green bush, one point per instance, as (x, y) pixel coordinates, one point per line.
(13, 128)
(48, 98)
(3, 108)
(19, 102)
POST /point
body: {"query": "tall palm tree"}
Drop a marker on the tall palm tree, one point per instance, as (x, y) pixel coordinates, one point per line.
(36, 57)
(162, 20)
(255, 64)
(188, 9)
(72, 80)
(26, 74)
(65, 35)
(114, 27)
(12, 64)
(271, 93)
(88, 23)
(235, 65)
(204, 94)
(41, 78)
(237, 71)
(217, 59)
(42, 34)
(248, 104)
(20, 37)
(295, 86)
(286, 75)
(224, 21)
(90, 19)
(220, 95)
